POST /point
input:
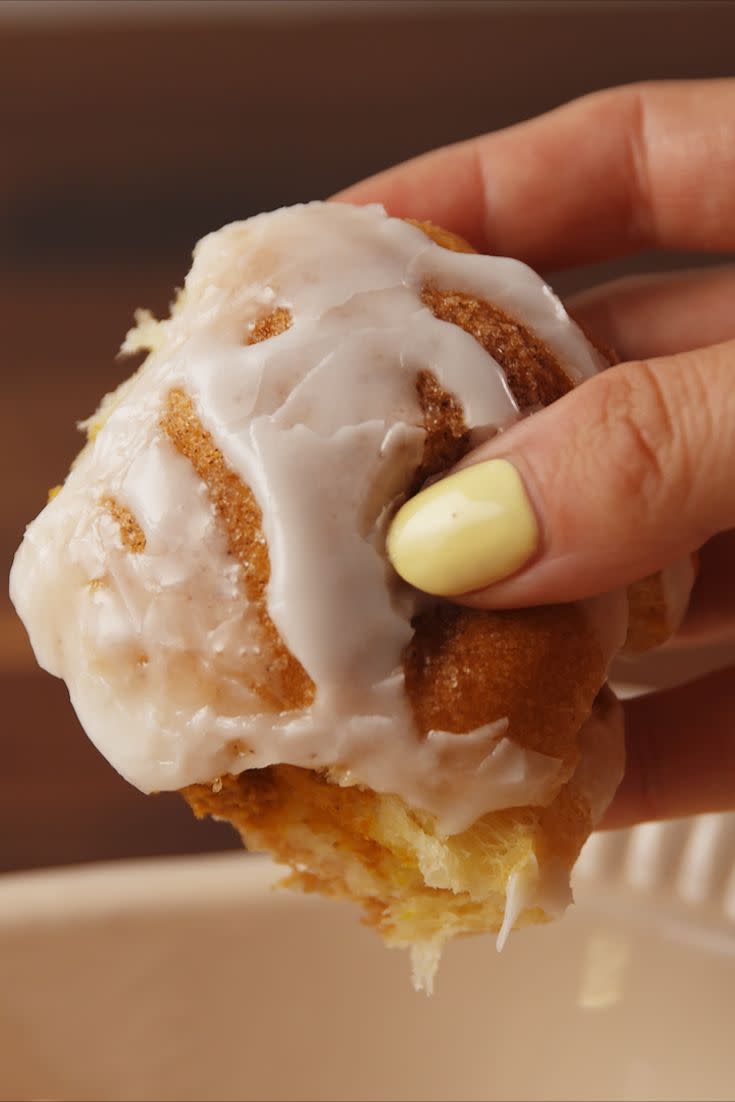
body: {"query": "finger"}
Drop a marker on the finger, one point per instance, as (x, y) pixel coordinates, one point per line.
(628, 472)
(660, 315)
(710, 617)
(680, 747)
(647, 165)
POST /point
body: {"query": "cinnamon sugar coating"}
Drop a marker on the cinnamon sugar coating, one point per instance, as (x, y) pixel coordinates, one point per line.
(288, 685)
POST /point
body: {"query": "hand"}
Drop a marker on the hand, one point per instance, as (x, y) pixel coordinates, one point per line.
(636, 467)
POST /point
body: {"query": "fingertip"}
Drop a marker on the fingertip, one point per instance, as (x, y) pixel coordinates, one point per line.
(465, 532)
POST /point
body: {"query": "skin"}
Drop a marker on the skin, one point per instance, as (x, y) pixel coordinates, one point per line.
(636, 467)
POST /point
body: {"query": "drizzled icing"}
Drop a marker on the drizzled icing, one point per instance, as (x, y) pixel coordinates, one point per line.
(323, 423)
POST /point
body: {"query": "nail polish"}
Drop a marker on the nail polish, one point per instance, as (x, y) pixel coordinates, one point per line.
(465, 532)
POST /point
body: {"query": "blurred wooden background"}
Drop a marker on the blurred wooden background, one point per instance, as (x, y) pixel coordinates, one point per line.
(127, 134)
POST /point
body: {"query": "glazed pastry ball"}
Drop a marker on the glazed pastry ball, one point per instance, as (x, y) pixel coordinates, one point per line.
(212, 580)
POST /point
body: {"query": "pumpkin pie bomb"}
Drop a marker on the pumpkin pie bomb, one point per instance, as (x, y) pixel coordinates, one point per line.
(213, 585)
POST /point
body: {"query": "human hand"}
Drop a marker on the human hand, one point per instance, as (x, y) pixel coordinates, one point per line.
(636, 467)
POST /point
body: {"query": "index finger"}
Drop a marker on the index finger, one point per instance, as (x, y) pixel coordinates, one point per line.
(680, 753)
(642, 166)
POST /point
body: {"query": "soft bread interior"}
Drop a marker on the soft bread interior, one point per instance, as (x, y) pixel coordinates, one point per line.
(419, 888)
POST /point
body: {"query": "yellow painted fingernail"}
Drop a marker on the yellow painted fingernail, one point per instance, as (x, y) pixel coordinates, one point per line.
(466, 532)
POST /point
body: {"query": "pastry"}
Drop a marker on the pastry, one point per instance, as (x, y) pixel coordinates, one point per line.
(212, 582)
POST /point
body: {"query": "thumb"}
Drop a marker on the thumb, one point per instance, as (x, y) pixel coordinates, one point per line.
(622, 476)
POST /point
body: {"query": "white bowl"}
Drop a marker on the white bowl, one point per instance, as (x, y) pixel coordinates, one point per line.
(191, 979)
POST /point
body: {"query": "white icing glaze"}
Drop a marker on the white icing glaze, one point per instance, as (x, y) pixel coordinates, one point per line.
(323, 424)
(531, 886)
(602, 754)
(521, 892)
(596, 779)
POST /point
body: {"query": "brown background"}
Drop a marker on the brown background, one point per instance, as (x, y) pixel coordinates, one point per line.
(129, 130)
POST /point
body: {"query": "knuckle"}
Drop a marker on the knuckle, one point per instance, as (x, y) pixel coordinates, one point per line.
(638, 420)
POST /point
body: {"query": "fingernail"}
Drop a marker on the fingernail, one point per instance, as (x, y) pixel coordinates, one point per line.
(465, 532)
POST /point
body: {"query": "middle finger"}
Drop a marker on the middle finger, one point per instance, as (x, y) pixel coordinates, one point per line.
(643, 317)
